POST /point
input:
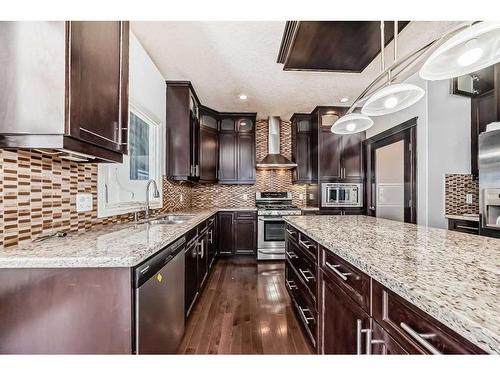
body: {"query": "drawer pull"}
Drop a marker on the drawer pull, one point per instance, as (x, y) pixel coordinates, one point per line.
(291, 254)
(421, 338)
(467, 228)
(291, 285)
(303, 313)
(303, 273)
(342, 275)
(370, 341)
(290, 232)
(359, 333)
(306, 244)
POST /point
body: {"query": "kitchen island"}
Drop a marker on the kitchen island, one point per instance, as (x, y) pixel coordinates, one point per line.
(451, 277)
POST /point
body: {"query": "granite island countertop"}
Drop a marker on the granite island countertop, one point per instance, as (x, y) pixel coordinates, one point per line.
(452, 276)
(114, 245)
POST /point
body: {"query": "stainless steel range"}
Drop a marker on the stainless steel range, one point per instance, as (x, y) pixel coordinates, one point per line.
(271, 207)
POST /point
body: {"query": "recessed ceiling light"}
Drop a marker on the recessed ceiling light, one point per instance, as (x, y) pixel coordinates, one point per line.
(243, 97)
(344, 100)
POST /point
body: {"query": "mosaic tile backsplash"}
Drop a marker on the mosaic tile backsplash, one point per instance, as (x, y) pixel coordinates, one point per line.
(38, 191)
(457, 186)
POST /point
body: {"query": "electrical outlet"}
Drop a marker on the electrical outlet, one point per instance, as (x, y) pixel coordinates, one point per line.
(245, 197)
(181, 198)
(468, 198)
(311, 196)
(301, 196)
(83, 202)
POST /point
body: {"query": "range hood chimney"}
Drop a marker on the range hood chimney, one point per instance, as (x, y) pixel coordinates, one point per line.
(273, 159)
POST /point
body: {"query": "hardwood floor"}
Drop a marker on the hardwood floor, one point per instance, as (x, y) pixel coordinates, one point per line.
(244, 309)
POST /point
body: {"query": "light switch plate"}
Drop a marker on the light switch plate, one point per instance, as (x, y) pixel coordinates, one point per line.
(245, 197)
(468, 198)
(83, 202)
(301, 196)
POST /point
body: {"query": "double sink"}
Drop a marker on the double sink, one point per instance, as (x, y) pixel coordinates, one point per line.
(168, 219)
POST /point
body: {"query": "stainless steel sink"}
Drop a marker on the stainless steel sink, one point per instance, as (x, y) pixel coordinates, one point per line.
(170, 219)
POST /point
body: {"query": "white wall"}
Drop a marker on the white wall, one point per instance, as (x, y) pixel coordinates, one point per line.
(147, 95)
(449, 118)
(443, 143)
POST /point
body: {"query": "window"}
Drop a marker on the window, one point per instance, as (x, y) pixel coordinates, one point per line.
(122, 187)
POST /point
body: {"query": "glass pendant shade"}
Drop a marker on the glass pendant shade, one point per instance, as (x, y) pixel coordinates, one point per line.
(392, 98)
(472, 49)
(352, 123)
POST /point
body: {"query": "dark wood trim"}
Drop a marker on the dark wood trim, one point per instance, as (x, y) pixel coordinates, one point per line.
(184, 83)
(406, 131)
(239, 114)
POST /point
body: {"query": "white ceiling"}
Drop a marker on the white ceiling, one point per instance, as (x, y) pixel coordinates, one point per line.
(225, 59)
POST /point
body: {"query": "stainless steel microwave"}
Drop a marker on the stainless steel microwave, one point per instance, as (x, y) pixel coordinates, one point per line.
(341, 195)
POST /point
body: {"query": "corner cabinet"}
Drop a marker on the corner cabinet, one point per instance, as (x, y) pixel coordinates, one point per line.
(77, 100)
(237, 148)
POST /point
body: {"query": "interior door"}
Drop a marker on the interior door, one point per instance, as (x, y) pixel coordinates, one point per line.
(392, 175)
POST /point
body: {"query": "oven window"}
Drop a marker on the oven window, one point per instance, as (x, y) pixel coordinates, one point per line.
(274, 231)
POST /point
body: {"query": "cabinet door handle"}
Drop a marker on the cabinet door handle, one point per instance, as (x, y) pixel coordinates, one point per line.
(466, 227)
(421, 338)
(306, 244)
(359, 333)
(211, 237)
(202, 248)
(342, 275)
(291, 285)
(291, 254)
(303, 273)
(290, 232)
(303, 313)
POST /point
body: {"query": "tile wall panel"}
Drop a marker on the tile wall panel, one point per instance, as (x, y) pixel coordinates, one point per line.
(456, 188)
(38, 195)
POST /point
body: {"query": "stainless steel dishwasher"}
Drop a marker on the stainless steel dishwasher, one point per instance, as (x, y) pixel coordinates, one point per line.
(159, 301)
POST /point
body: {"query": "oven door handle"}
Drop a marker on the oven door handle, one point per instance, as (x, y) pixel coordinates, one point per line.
(271, 219)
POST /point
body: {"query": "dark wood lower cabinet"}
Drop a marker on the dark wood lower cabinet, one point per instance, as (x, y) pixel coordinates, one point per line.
(237, 233)
(358, 315)
(345, 323)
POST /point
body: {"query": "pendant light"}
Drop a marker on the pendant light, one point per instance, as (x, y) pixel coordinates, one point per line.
(470, 50)
(352, 123)
(392, 97)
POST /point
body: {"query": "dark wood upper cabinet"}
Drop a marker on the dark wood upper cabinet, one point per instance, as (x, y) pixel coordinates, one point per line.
(246, 157)
(95, 61)
(79, 77)
(237, 148)
(335, 157)
(227, 157)
(209, 139)
(183, 131)
(474, 84)
(301, 148)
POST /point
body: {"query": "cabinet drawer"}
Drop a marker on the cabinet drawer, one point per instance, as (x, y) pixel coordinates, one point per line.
(304, 267)
(310, 246)
(463, 226)
(352, 280)
(416, 331)
(303, 306)
(244, 215)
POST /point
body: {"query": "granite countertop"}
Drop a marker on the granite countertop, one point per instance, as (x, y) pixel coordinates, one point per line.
(117, 245)
(452, 276)
(466, 217)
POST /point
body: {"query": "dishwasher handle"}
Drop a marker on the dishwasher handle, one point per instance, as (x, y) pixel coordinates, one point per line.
(147, 269)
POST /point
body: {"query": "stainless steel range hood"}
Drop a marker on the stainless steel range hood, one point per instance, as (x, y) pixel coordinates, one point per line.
(273, 159)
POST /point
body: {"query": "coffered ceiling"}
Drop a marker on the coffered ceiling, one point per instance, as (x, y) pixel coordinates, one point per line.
(226, 59)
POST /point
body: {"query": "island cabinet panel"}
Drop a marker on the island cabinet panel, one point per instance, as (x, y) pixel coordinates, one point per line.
(66, 311)
(344, 323)
(416, 331)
